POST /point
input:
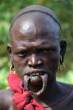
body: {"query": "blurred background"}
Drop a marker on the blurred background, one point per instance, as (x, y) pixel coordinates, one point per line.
(64, 11)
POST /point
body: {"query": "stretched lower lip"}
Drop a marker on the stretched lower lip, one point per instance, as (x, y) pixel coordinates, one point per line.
(35, 83)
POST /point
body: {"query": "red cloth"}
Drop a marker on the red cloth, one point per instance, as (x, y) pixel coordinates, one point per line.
(22, 98)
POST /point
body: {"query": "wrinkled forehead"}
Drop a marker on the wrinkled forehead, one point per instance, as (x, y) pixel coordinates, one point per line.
(34, 25)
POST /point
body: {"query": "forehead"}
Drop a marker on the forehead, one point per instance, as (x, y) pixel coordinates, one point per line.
(32, 26)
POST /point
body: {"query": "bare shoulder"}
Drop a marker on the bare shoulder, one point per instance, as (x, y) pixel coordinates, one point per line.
(6, 100)
(5, 95)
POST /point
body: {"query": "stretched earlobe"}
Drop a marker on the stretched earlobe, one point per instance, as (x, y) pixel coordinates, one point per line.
(11, 67)
(10, 56)
(63, 46)
(9, 48)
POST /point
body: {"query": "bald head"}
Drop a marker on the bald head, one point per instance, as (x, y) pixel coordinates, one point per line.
(34, 20)
(37, 8)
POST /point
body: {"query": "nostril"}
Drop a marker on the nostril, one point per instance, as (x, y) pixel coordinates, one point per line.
(29, 63)
(40, 62)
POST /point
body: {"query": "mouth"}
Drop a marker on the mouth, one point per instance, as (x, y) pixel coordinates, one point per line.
(36, 81)
(35, 72)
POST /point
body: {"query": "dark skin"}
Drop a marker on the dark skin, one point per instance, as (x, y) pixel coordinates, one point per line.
(35, 50)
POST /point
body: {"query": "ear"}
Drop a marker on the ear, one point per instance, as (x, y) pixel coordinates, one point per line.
(63, 45)
(9, 50)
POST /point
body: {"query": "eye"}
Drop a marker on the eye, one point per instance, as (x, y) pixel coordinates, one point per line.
(41, 51)
(52, 49)
(22, 53)
(47, 50)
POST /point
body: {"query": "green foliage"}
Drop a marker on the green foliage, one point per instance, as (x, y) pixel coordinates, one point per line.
(67, 78)
(64, 11)
(3, 78)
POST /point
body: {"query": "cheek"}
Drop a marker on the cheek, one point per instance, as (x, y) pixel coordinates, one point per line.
(52, 61)
(19, 61)
(19, 64)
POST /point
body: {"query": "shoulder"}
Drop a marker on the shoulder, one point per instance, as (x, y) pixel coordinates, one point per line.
(5, 95)
(65, 87)
(67, 99)
(6, 100)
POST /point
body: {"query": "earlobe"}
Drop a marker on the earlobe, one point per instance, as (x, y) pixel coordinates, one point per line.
(10, 56)
(63, 46)
(9, 49)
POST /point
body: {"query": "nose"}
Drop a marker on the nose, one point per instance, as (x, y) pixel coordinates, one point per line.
(35, 61)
